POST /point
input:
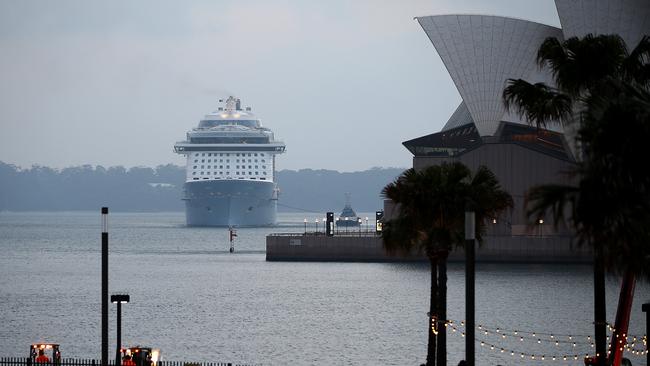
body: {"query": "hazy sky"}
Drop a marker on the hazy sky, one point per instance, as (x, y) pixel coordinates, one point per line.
(341, 82)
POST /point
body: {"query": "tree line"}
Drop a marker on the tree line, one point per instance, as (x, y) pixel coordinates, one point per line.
(146, 189)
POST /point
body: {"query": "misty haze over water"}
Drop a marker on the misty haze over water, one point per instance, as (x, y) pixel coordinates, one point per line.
(145, 189)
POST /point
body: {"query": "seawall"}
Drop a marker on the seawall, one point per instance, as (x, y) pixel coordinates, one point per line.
(367, 247)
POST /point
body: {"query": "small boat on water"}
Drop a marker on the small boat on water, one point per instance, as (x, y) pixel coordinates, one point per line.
(348, 218)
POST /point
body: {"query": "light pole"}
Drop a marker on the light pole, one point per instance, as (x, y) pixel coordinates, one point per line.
(359, 224)
(470, 306)
(316, 225)
(104, 360)
(119, 299)
(305, 221)
(367, 227)
(646, 309)
(345, 219)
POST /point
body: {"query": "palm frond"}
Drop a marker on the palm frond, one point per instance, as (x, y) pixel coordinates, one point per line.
(537, 103)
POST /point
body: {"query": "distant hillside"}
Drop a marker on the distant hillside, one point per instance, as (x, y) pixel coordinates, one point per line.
(160, 189)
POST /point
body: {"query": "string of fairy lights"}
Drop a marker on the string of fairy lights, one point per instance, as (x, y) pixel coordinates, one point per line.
(488, 338)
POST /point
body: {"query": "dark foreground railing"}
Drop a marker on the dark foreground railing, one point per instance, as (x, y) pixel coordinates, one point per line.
(26, 361)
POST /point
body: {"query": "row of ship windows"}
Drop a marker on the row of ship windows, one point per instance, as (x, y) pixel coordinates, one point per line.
(228, 173)
(228, 160)
(228, 154)
(253, 178)
(228, 167)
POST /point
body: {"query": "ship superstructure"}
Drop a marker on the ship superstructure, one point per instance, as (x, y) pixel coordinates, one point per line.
(230, 172)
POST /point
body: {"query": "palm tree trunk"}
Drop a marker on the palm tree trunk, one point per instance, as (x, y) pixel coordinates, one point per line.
(600, 310)
(442, 310)
(433, 313)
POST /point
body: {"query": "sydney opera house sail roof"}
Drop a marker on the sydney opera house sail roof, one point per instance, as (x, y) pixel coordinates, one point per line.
(481, 52)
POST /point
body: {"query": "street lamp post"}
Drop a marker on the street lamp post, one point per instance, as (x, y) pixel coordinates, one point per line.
(305, 221)
(316, 225)
(367, 227)
(646, 309)
(119, 299)
(470, 301)
(104, 360)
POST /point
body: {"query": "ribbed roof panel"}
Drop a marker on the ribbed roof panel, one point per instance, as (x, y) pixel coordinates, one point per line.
(481, 52)
(628, 18)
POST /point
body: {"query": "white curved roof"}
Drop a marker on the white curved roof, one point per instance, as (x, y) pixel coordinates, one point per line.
(481, 52)
(628, 18)
(461, 116)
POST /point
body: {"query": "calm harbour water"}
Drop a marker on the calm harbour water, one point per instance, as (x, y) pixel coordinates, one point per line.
(195, 301)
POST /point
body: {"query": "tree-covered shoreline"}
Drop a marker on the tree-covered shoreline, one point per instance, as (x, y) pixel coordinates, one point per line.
(145, 189)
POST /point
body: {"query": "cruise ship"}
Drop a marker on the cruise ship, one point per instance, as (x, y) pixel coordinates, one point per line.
(230, 174)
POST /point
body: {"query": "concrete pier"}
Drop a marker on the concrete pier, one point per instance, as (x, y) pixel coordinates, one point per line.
(367, 247)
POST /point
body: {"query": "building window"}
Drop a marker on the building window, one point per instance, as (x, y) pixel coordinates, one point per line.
(194, 167)
(250, 173)
(263, 166)
(255, 154)
(203, 160)
(201, 173)
(202, 166)
(255, 166)
(196, 160)
(227, 166)
(193, 173)
(220, 166)
(257, 173)
(236, 173)
(203, 154)
(196, 178)
(263, 161)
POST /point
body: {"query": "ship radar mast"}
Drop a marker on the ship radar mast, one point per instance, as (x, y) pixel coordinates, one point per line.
(233, 104)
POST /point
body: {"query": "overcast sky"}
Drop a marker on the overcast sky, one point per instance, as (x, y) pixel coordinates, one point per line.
(342, 82)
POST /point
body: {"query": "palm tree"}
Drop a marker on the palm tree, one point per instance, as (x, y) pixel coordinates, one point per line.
(431, 205)
(596, 77)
